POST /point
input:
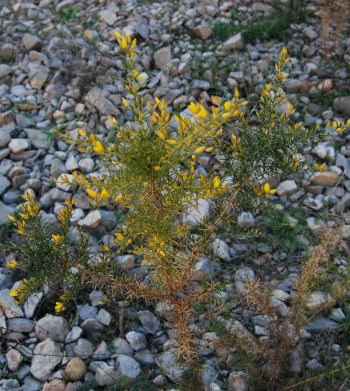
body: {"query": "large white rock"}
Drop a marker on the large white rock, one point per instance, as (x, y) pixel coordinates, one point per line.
(287, 187)
(47, 355)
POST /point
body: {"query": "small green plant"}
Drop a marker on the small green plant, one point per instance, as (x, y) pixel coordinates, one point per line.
(68, 14)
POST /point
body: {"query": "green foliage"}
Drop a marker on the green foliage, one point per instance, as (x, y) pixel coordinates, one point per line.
(54, 134)
(68, 14)
(280, 233)
(274, 26)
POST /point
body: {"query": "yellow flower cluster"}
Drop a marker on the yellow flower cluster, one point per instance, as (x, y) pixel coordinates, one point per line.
(264, 190)
(338, 125)
(125, 43)
(21, 292)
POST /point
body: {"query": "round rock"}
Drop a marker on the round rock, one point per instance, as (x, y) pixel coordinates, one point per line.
(75, 369)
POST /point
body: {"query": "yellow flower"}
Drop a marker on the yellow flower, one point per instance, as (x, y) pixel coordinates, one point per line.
(13, 293)
(91, 193)
(171, 142)
(59, 306)
(118, 237)
(104, 193)
(57, 238)
(12, 264)
(216, 181)
(194, 109)
(124, 43)
(125, 102)
(81, 132)
(98, 148)
(199, 149)
(11, 218)
(268, 190)
(120, 198)
(156, 168)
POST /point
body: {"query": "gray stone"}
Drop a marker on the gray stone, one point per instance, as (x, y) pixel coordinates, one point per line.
(14, 359)
(101, 352)
(38, 138)
(108, 16)
(162, 57)
(287, 187)
(149, 321)
(310, 33)
(84, 348)
(50, 326)
(4, 184)
(201, 84)
(87, 165)
(128, 367)
(71, 164)
(144, 357)
(97, 98)
(20, 325)
(204, 269)
(342, 104)
(221, 249)
(122, 347)
(168, 363)
(5, 70)
(320, 324)
(18, 145)
(92, 325)
(136, 340)
(31, 384)
(292, 86)
(38, 75)
(246, 220)
(92, 220)
(74, 334)
(31, 42)
(104, 317)
(106, 376)
(234, 43)
(8, 304)
(242, 275)
(87, 311)
(46, 356)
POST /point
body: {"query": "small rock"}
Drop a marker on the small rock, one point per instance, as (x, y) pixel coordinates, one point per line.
(162, 57)
(246, 220)
(55, 385)
(325, 178)
(128, 367)
(106, 376)
(92, 220)
(5, 70)
(14, 359)
(243, 275)
(83, 348)
(221, 249)
(204, 269)
(342, 104)
(31, 42)
(168, 363)
(75, 369)
(238, 381)
(126, 262)
(109, 17)
(136, 340)
(203, 32)
(149, 321)
(234, 43)
(18, 145)
(38, 75)
(318, 299)
(287, 187)
(325, 85)
(195, 215)
(74, 334)
(104, 317)
(122, 347)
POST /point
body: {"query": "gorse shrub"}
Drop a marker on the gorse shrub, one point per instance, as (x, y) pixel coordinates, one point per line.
(150, 171)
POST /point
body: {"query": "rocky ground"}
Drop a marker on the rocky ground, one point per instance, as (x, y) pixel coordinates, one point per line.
(58, 67)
